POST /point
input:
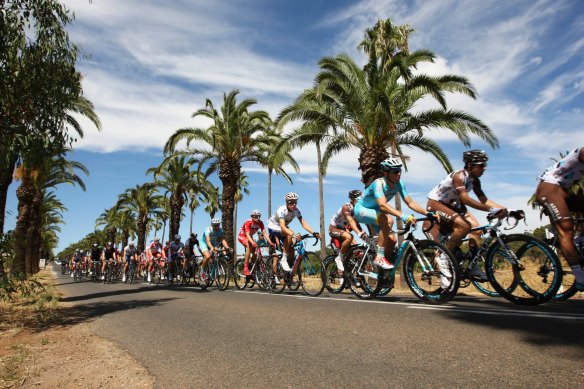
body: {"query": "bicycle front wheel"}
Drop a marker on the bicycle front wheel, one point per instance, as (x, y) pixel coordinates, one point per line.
(238, 276)
(527, 261)
(333, 277)
(431, 272)
(312, 275)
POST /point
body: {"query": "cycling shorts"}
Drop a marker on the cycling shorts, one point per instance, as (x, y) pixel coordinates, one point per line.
(368, 216)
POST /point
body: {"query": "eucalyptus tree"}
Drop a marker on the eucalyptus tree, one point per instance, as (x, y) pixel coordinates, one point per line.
(39, 83)
(143, 202)
(231, 139)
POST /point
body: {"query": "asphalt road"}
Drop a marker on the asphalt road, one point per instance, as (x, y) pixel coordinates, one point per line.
(188, 338)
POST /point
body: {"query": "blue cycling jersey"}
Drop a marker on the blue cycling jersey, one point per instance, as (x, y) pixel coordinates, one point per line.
(379, 188)
(215, 237)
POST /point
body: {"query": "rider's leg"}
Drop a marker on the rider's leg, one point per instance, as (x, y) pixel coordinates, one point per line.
(387, 238)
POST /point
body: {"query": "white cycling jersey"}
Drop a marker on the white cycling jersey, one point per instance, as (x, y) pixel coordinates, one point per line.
(446, 192)
(283, 213)
(339, 220)
(566, 172)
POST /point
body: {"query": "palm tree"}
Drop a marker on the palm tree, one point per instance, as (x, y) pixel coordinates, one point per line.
(51, 217)
(47, 173)
(232, 139)
(275, 155)
(107, 219)
(176, 176)
(312, 133)
(143, 202)
(241, 190)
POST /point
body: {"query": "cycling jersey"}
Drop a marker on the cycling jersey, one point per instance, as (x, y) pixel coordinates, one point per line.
(190, 244)
(283, 213)
(566, 172)
(95, 253)
(339, 220)
(447, 193)
(175, 247)
(252, 226)
(129, 251)
(155, 248)
(215, 237)
(379, 188)
(109, 252)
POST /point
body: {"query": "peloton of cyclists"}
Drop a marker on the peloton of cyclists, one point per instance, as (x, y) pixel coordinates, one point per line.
(213, 237)
(281, 234)
(450, 199)
(341, 225)
(558, 203)
(245, 237)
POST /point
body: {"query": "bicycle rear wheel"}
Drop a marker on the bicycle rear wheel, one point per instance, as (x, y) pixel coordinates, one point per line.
(312, 275)
(364, 280)
(222, 274)
(537, 271)
(431, 272)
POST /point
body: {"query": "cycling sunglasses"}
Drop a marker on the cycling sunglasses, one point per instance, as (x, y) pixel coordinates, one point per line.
(292, 202)
(394, 171)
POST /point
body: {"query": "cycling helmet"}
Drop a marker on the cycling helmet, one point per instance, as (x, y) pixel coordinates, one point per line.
(131, 243)
(256, 212)
(474, 156)
(355, 193)
(291, 196)
(109, 243)
(215, 222)
(177, 237)
(156, 239)
(391, 163)
(95, 245)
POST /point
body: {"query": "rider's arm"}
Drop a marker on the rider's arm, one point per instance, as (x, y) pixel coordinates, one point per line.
(386, 208)
(250, 238)
(414, 206)
(224, 243)
(267, 237)
(306, 226)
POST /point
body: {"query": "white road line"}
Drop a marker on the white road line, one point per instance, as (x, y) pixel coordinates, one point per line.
(451, 308)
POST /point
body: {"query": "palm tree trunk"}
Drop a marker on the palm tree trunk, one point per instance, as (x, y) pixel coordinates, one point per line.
(235, 230)
(269, 193)
(143, 219)
(25, 194)
(191, 221)
(321, 200)
(33, 235)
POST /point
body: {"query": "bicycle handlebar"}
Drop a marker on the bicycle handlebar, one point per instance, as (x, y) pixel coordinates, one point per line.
(431, 219)
(302, 237)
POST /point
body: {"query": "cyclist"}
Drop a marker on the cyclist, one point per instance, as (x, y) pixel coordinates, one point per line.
(558, 203)
(156, 254)
(130, 253)
(373, 209)
(212, 238)
(76, 260)
(450, 199)
(341, 225)
(95, 258)
(109, 254)
(245, 237)
(190, 244)
(281, 234)
(176, 251)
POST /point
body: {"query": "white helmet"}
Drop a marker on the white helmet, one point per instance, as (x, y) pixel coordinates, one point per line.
(256, 212)
(391, 163)
(291, 196)
(215, 222)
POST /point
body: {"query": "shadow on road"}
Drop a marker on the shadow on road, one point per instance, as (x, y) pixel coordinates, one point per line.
(130, 290)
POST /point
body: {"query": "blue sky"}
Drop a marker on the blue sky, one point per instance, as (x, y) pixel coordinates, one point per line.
(148, 65)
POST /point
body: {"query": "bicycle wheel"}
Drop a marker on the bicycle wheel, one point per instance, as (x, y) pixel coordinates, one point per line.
(537, 271)
(277, 281)
(222, 274)
(312, 276)
(364, 280)
(431, 272)
(333, 278)
(238, 276)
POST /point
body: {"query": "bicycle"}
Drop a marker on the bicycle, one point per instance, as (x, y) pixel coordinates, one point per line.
(567, 288)
(76, 272)
(306, 271)
(217, 271)
(259, 268)
(131, 274)
(521, 268)
(95, 271)
(421, 268)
